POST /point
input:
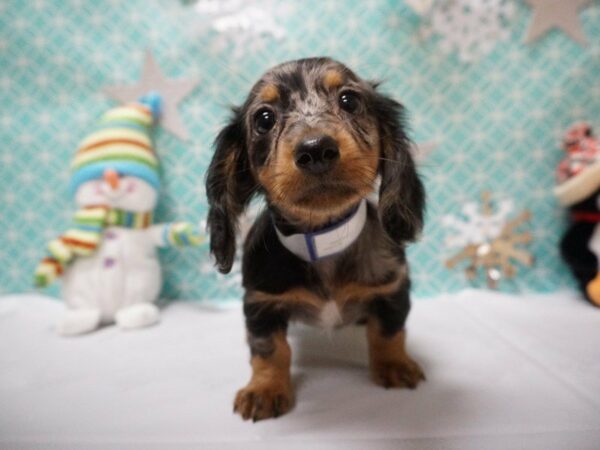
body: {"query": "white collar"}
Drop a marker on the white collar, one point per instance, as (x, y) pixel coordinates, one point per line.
(328, 241)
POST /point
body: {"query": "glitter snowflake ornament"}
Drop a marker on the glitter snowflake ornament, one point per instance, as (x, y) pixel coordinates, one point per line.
(246, 24)
(470, 27)
(488, 240)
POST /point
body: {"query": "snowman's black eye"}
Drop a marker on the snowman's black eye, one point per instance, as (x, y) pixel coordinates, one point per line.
(349, 101)
(264, 120)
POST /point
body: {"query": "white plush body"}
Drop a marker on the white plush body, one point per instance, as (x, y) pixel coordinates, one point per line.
(124, 271)
(121, 280)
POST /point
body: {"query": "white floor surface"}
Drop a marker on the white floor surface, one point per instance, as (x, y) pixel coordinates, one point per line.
(504, 372)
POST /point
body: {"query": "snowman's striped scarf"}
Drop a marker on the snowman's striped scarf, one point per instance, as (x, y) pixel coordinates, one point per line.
(84, 237)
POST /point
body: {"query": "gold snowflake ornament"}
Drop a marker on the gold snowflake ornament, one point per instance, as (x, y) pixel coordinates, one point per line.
(488, 240)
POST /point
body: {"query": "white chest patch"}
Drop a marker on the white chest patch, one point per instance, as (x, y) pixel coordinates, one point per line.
(330, 315)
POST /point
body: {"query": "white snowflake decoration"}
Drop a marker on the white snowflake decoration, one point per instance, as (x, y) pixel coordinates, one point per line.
(244, 23)
(488, 240)
(476, 227)
(470, 27)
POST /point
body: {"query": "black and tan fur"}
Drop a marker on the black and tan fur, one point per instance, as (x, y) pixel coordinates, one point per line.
(369, 281)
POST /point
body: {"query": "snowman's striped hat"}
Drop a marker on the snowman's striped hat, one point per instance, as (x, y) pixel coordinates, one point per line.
(122, 142)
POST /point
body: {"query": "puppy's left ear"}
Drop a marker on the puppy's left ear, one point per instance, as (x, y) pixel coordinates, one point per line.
(401, 195)
(229, 187)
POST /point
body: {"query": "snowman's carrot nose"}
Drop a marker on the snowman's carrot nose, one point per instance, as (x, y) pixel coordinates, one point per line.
(112, 178)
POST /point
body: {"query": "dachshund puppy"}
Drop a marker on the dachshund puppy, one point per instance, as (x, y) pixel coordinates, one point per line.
(312, 137)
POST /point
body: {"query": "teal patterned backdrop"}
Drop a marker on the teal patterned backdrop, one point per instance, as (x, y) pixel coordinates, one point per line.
(497, 120)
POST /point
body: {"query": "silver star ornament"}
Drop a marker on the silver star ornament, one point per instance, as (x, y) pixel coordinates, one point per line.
(172, 91)
(560, 14)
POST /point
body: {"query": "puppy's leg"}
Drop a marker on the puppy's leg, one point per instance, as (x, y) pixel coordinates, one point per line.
(269, 392)
(390, 364)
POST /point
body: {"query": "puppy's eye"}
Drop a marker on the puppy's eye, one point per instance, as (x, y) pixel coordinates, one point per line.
(349, 101)
(264, 120)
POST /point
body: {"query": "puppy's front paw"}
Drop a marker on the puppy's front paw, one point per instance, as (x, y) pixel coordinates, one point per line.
(404, 373)
(262, 400)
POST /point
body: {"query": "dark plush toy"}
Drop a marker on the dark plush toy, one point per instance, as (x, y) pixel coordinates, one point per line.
(579, 189)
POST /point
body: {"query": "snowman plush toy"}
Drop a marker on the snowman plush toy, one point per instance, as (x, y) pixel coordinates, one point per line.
(578, 188)
(108, 257)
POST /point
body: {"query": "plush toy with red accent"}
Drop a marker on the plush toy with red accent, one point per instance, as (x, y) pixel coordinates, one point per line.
(108, 256)
(579, 188)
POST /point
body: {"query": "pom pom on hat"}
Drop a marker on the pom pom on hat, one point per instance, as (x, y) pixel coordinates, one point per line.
(121, 142)
(153, 100)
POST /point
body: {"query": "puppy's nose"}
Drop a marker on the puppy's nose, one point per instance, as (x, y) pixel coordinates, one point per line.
(317, 155)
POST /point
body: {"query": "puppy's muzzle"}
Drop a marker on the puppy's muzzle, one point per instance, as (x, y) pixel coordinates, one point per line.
(317, 155)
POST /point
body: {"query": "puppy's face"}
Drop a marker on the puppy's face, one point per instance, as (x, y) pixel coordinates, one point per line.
(312, 138)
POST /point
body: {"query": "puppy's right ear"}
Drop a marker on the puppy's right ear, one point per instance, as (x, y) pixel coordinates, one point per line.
(229, 187)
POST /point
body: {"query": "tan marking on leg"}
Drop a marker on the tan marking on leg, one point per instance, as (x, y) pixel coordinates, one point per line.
(364, 292)
(296, 296)
(269, 93)
(269, 392)
(333, 78)
(390, 364)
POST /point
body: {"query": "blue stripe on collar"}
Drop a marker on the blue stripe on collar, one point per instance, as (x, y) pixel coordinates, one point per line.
(328, 241)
